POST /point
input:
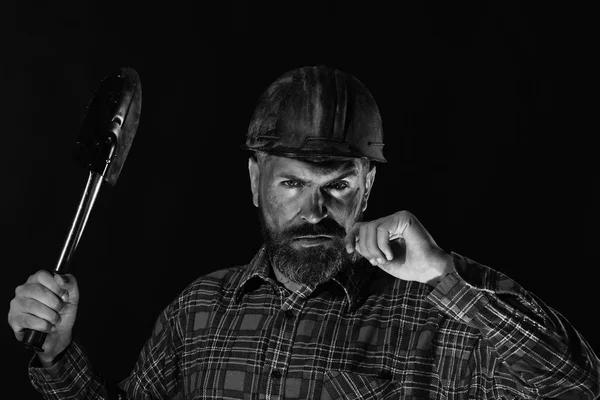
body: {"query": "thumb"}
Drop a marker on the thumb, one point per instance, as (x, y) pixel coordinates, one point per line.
(351, 235)
(409, 228)
(68, 284)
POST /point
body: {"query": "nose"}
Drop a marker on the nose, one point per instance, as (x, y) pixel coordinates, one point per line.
(313, 208)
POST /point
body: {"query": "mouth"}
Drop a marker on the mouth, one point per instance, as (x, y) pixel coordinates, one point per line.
(310, 240)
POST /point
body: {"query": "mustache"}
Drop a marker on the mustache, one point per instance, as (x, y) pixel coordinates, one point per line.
(324, 227)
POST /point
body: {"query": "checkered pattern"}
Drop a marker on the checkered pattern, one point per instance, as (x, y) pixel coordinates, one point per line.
(238, 334)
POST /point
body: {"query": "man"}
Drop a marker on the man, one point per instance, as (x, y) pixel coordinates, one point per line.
(331, 307)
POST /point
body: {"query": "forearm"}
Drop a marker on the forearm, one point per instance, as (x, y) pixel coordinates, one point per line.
(68, 376)
(538, 344)
(48, 358)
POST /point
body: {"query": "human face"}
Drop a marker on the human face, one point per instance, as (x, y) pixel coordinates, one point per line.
(305, 209)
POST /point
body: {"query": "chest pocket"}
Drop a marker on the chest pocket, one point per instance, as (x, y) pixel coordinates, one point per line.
(342, 385)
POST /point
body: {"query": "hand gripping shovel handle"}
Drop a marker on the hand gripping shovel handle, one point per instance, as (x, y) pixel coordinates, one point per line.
(35, 339)
(102, 145)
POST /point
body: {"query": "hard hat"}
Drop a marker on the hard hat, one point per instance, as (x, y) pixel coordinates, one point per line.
(317, 111)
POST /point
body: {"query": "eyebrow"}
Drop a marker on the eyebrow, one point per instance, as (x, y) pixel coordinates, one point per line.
(288, 175)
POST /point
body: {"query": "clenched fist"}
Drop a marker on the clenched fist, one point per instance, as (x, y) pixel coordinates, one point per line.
(402, 247)
(46, 303)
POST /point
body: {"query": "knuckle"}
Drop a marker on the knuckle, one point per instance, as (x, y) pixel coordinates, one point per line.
(14, 326)
(39, 277)
(17, 307)
(42, 273)
(13, 306)
(35, 277)
(16, 323)
(37, 290)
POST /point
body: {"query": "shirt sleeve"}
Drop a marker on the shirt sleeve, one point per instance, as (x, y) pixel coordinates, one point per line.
(70, 377)
(536, 343)
(157, 373)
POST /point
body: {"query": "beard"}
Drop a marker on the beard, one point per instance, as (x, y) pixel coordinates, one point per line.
(307, 265)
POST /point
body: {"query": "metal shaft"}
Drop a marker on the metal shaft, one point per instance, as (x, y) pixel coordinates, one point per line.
(88, 198)
(35, 339)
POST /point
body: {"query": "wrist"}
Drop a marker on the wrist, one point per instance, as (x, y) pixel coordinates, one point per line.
(49, 358)
(45, 360)
(445, 266)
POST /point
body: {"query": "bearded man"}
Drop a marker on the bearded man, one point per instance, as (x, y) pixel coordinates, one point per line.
(331, 307)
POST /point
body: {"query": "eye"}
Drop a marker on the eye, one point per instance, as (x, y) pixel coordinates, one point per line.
(292, 184)
(339, 185)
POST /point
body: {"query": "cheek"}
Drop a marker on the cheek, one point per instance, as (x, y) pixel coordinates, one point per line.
(347, 209)
(277, 211)
(355, 206)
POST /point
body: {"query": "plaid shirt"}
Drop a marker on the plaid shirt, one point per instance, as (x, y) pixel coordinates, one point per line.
(238, 334)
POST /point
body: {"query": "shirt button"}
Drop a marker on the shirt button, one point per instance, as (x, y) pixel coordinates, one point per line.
(276, 374)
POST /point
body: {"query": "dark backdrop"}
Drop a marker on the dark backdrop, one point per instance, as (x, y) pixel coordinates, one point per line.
(483, 106)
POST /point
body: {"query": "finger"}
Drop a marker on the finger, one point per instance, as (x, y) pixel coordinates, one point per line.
(39, 293)
(398, 224)
(372, 245)
(27, 313)
(41, 310)
(68, 285)
(28, 321)
(383, 242)
(350, 238)
(362, 242)
(412, 231)
(46, 278)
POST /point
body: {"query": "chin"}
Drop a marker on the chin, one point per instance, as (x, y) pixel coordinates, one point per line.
(310, 265)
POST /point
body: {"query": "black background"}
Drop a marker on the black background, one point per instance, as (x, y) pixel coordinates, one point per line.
(485, 112)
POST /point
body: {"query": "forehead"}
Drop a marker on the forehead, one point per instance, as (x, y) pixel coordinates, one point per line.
(276, 165)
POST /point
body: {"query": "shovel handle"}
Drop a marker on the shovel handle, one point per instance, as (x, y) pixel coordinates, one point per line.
(34, 340)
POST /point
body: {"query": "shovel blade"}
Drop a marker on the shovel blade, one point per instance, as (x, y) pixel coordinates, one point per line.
(110, 124)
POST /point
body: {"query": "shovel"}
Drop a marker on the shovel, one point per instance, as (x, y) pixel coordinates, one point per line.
(102, 146)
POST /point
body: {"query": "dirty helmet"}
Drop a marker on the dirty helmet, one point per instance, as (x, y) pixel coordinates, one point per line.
(317, 111)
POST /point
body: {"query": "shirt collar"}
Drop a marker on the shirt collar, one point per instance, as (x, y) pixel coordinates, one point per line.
(355, 281)
(352, 280)
(259, 269)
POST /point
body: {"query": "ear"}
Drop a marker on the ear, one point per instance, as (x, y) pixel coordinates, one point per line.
(369, 181)
(254, 172)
